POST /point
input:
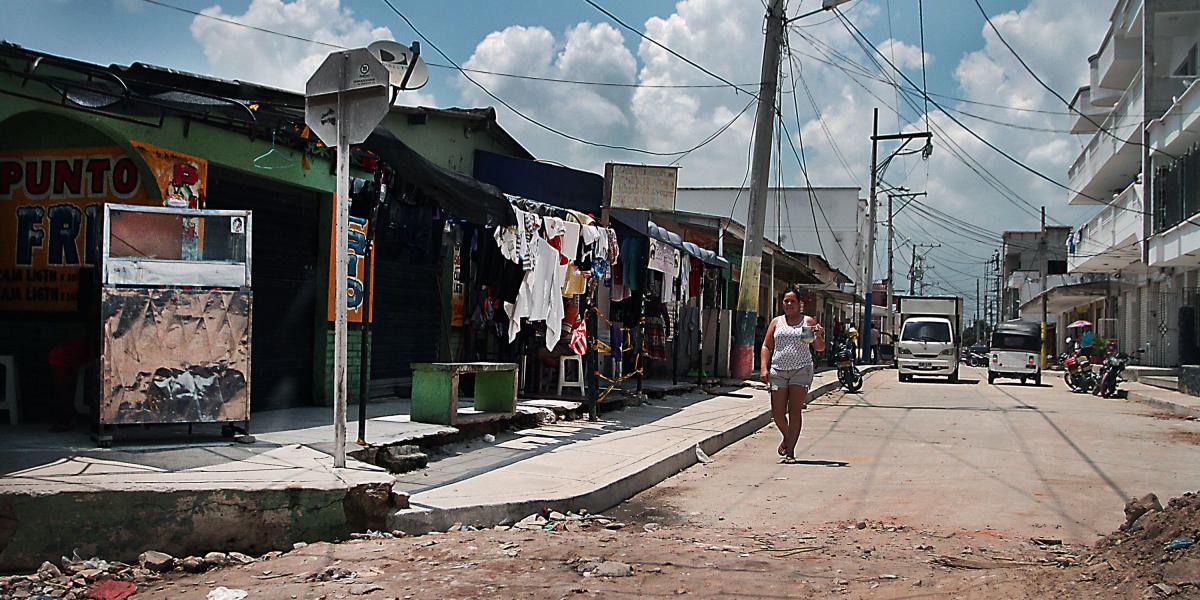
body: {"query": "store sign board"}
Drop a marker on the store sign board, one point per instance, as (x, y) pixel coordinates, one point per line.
(641, 186)
(50, 213)
(355, 288)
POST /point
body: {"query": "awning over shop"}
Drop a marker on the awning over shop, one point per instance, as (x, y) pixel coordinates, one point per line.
(639, 221)
(1066, 297)
(459, 194)
(548, 183)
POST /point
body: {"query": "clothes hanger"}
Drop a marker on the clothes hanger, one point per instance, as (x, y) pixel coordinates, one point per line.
(260, 162)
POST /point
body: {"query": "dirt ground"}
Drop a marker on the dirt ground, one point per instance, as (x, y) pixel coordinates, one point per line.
(676, 559)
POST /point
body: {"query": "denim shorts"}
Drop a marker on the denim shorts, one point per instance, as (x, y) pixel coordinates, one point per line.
(802, 377)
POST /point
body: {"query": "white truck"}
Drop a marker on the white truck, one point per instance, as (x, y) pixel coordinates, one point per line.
(929, 340)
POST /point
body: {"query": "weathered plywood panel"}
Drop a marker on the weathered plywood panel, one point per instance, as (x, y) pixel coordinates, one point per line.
(175, 356)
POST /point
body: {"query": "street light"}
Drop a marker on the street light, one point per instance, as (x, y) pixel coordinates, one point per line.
(825, 5)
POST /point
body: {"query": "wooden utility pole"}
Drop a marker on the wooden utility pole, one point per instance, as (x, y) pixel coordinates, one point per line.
(760, 173)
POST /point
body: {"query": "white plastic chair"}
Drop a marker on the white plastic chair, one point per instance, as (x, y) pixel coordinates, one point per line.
(579, 382)
(11, 396)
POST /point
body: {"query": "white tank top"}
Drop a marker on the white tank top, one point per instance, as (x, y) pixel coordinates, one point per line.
(791, 352)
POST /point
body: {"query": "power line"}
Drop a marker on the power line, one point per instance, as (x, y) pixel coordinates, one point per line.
(820, 119)
(955, 150)
(1033, 74)
(685, 59)
(535, 122)
(855, 32)
(300, 38)
(596, 83)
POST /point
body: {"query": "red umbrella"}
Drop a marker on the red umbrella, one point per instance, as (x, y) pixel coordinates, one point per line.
(1079, 323)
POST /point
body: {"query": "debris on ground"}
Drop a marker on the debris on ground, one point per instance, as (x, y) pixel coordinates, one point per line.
(1154, 552)
(224, 593)
(111, 589)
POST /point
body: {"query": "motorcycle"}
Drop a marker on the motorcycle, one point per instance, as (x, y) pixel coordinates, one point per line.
(848, 374)
(1110, 374)
(1079, 375)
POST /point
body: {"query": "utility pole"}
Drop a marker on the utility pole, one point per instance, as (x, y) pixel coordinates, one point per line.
(1045, 268)
(890, 326)
(875, 175)
(865, 356)
(746, 319)
(978, 333)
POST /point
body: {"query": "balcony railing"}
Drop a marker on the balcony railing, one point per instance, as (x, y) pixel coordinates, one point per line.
(1122, 125)
(1107, 242)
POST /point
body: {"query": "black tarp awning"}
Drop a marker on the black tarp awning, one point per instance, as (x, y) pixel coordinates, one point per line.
(459, 194)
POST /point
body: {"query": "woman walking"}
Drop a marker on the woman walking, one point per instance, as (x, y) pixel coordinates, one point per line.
(787, 367)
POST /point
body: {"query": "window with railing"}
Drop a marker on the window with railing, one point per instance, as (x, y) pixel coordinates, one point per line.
(1177, 190)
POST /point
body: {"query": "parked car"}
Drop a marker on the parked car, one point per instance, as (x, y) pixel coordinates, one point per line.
(1015, 351)
(977, 355)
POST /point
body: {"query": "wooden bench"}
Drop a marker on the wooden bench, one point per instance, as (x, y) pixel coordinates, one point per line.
(435, 392)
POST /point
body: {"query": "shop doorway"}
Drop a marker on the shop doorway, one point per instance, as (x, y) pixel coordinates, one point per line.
(285, 250)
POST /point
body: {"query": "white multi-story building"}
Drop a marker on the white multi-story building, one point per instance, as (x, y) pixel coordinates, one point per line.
(1140, 161)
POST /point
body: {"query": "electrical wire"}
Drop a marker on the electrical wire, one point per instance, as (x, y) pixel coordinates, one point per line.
(535, 122)
(685, 59)
(956, 151)
(854, 31)
(1042, 83)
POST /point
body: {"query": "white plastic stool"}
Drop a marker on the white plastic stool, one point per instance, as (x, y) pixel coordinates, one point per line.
(82, 406)
(562, 374)
(9, 403)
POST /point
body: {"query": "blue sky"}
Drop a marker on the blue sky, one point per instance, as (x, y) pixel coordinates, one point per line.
(126, 31)
(570, 39)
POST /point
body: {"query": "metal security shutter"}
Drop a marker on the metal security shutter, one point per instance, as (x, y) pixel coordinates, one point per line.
(285, 252)
(407, 304)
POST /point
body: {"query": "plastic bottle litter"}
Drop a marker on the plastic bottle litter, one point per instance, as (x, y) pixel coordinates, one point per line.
(489, 438)
(701, 456)
(1179, 543)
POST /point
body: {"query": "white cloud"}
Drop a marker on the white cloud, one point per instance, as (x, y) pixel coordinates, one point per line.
(242, 53)
(905, 56)
(586, 51)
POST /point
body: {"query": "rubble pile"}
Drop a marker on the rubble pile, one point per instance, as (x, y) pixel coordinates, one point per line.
(1154, 553)
(80, 578)
(552, 520)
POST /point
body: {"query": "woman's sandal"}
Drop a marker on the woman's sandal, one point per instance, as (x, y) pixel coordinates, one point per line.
(788, 460)
(781, 449)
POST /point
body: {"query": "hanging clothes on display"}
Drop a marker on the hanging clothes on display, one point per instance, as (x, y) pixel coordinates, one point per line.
(657, 330)
(540, 296)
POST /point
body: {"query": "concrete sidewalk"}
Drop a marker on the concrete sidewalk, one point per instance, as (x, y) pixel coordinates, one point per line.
(583, 465)
(161, 488)
(1176, 402)
(190, 493)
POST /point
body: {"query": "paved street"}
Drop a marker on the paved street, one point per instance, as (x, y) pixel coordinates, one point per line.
(1012, 458)
(898, 488)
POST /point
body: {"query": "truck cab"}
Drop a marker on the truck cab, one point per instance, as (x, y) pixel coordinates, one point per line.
(928, 343)
(927, 347)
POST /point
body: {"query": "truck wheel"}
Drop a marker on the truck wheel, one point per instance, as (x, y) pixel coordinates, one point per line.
(991, 378)
(1024, 380)
(1037, 380)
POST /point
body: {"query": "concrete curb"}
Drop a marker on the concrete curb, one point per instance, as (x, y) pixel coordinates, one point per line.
(423, 520)
(1179, 409)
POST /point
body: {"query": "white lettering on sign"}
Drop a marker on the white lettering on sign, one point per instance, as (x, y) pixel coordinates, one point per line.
(643, 187)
